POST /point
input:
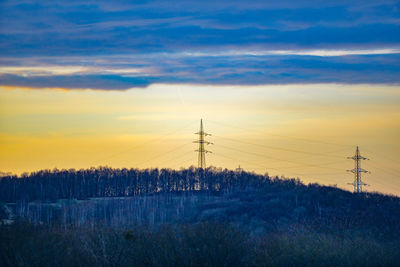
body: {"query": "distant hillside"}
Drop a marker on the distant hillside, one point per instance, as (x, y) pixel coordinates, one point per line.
(152, 196)
(121, 217)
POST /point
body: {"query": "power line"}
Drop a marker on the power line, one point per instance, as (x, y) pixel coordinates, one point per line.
(283, 136)
(385, 157)
(384, 170)
(390, 184)
(277, 159)
(186, 161)
(177, 158)
(163, 154)
(251, 163)
(144, 143)
(278, 148)
(316, 166)
(266, 169)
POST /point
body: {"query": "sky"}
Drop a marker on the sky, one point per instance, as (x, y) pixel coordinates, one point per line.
(284, 87)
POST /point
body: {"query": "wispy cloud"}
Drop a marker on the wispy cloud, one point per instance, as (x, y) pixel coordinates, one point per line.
(121, 45)
(129, 71)
(300, 52)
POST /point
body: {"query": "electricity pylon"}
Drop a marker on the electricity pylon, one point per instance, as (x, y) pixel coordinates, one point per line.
(202, 151)
(358, 183)
(239, 169)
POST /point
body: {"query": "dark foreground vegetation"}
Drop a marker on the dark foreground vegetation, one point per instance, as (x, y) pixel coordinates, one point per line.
(201, 244)
(130, 217)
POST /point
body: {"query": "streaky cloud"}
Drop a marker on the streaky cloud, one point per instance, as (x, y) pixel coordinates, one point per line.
(99, 82)
(99, 28)
(125, 72)
(117, 45)
(310, 52)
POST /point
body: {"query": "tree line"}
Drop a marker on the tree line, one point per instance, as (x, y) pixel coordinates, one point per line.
(248, 199)
(49, 185)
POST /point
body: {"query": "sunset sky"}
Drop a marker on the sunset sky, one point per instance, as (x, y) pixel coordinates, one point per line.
(285, 87)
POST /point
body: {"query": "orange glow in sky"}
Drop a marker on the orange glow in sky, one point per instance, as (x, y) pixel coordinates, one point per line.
(304, 131)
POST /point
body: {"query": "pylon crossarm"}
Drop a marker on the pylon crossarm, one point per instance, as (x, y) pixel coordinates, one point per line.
(203, 142)
(359, 157)
(359, 170)
(202, 133)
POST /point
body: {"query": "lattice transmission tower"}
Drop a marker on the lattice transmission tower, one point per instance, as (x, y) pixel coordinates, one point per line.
(358, 183)
(202, 151)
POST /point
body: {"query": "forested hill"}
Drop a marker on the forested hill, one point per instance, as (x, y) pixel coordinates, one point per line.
(108, 182)
(229, 196)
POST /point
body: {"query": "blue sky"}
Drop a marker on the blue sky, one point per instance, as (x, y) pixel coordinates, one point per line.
(117, 45)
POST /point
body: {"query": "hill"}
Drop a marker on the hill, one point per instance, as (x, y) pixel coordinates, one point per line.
(192, 217)
(192, 195)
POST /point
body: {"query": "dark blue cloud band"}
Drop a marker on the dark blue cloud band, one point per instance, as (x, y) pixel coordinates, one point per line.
(163, 38)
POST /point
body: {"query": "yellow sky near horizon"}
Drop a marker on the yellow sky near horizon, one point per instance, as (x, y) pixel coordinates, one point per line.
(304, 131)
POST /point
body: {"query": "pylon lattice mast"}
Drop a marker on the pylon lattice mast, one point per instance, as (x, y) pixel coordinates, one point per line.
(358, 183)
(239, 169)
(202, 151)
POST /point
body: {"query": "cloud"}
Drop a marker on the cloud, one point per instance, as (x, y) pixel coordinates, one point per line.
(310, 52)
(82, 28)
(125, 72)
(121, 44)
(100, 82)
